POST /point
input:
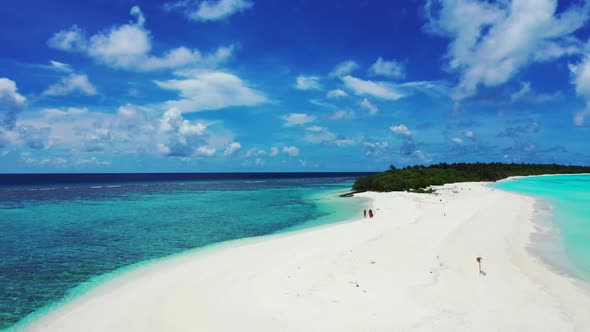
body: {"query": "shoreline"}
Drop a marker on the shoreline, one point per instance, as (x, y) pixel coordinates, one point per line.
(415, 258)
(125, 272)
(551, 253)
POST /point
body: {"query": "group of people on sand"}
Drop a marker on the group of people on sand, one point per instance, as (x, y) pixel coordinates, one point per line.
(370, 213)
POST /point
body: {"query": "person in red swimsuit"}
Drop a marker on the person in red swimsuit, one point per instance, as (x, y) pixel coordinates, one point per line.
(370, 213)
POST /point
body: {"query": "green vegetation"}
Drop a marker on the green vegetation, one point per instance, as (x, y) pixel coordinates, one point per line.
(418, 178)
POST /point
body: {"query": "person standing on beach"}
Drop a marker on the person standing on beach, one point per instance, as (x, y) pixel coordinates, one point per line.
(370, 213)
(365, 213)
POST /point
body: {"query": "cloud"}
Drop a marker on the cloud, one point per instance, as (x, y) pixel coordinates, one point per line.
(11, 103)
(492, 42)
(307, 83)
(343, 68)
(525, 89)
(180, 137)
(54, 113)
(526, 94)
(211, 91)
(366, 104)
(315, 128)
(253, 152)
(401, 129)
(381, 90)
(74, 83)
(60, 66)
(296, 119)
(87, 161)
(390, 69)
(35, 138)
(71, 40)
(375, 148)
(61, 161)
(317, 135)
(408, 147)
(438, 89)
(128, 46)
(7, 139)
(580, 116)
(232, 148)
(457, 140)
(274, 151)
(209, 10)
(529, 128)
(580, 74)
(341, 115)
(553, 50)
(344, 141)
(321, 103)
(205, 151)
(337, 93)
(131, 130)
(291, 151)
(97, 139)
(469, 134)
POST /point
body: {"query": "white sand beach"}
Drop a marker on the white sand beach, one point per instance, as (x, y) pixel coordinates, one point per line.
(411, 268)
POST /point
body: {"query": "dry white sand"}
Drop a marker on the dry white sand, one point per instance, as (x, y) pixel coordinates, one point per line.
(411, 268)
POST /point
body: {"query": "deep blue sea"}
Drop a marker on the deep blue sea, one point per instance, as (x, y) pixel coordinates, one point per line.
(60, 234)
(569, 198)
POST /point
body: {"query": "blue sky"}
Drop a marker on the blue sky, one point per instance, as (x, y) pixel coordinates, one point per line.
(264, 85)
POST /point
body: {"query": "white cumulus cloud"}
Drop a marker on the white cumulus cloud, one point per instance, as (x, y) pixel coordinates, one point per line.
(343, 68)
(254, 152)
(390, 69)
(232, 148)
(74, 83)
(129, 46)
(71, 40)
(179, 137)
(341, 115)
(291, 151)
(11, 103)
(492, 42)
(308, 83)
(211, 91)
(580, 73)
(317, 135)
(401, 129)
(295, 119)
(274, 151)
(206, 151)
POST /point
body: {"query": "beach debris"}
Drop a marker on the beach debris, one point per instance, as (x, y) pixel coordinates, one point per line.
(354, 283)
(372, 262)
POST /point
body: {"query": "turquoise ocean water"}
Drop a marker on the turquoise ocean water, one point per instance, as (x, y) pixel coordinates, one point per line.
(569, 199)
(55, 242)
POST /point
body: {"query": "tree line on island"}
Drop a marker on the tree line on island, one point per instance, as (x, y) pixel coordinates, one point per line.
(418, 178)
